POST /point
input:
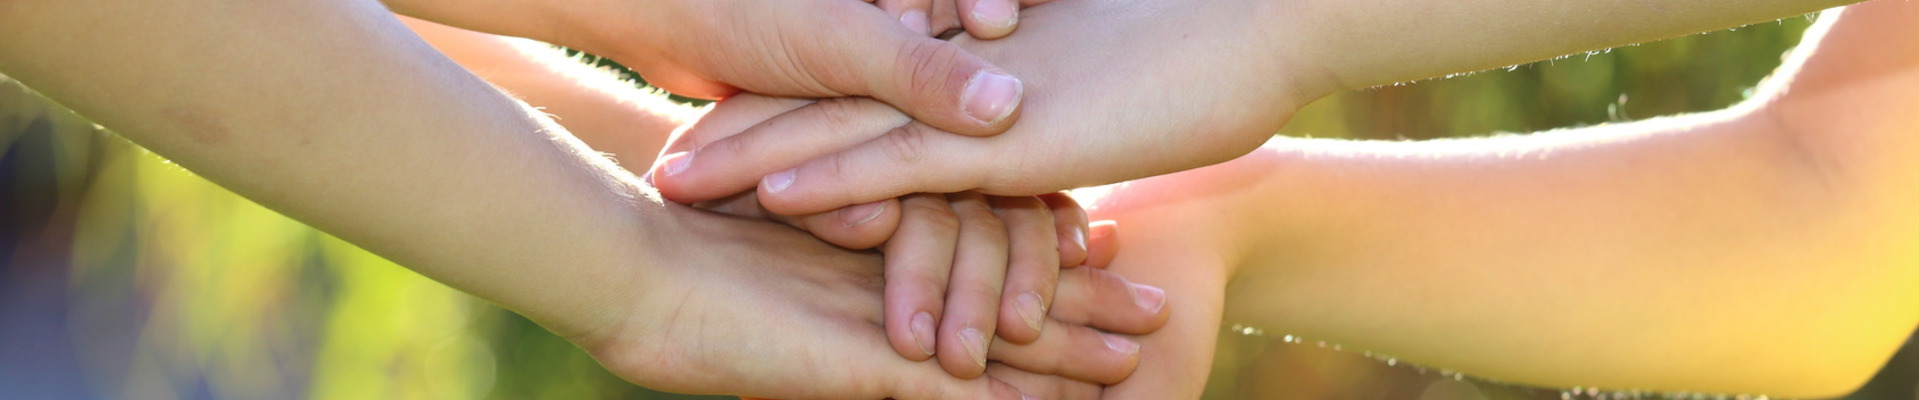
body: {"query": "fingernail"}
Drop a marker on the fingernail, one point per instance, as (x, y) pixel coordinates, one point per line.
(859, 214)
(915, 20)
(996, 13)
(1079, 237)
(1031, 310)
(1149, 298)
(1120, 344)
(677, 162)
(1023, 396)
(1102, 229)
(975, 343)
(923, 331)
(991, 96)
(778, 181)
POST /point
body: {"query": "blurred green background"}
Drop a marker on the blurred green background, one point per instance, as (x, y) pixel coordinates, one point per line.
(123, 276)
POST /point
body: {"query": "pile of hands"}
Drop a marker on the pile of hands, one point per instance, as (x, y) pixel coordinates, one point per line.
(859, 124)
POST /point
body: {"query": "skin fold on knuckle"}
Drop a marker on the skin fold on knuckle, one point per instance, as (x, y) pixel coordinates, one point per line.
(926, 68)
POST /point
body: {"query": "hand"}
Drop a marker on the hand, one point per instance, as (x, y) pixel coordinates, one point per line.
(1120, 90)
(757, 309)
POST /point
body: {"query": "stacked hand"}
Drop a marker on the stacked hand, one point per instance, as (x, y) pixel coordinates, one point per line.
(1095, 113)
(757, 309)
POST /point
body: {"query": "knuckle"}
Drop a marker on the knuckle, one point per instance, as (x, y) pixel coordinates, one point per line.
(925, 64)
(836, 113)
(906, 144)
(983, 223)
(937, 215)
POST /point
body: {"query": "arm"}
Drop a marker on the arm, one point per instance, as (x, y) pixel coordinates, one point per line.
(1759, 249)
(1366, 43)
(712, 49)
(331, 112)
(1236, 68)
(599, 108)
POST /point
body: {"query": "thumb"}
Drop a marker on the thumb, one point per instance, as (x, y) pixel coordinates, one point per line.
(932, 80)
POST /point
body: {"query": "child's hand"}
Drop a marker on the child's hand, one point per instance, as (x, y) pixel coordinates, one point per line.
(960, 267)
(1120, 90)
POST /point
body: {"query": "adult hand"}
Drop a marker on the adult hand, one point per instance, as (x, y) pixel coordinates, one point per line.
(806, 48)
(749, 301)
(1120, 90)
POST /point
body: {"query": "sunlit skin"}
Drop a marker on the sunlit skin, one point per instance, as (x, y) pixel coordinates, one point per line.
(335, 114)
(711, 49)
(1040, 234)
(1200, 82)
(1765, 248)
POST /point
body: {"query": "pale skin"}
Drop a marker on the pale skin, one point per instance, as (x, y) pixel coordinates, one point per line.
(983, 248)
(711, 49)
(1237, 68)
(1765, 248)
(333, 113)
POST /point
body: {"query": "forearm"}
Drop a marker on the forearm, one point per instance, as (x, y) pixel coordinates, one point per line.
(610, 115)
(1700, 253)
(1374, 42)
(332, 113)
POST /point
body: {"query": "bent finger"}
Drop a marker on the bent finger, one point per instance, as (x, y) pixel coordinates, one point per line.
(1032, 268)
(973, 293)
(1102, 243)
(989, 19)
(918, 261)
(914, 14)
(1103, 300)
(1075, 352)
(1045, 386)
(1069, 222)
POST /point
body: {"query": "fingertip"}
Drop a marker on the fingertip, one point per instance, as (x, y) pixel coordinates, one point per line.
(858, 227)
(991, 98)
(989, 19)
(1022, 318)
(1102, 243)
(912, 332)
(1070, 221)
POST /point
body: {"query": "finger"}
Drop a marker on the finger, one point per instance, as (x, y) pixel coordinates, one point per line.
(944, 16)
(857, 227)
(728, 161)
(947, 388)
(989, 19)
(1044, 386)
(909, 159)
(1100, 299)
(972, 295)
(918, 261)
(913, 14)
(729, 117)
(1069, 223)
(1074, 352)
(933, 80)
(1102, 243)
(1032, 268)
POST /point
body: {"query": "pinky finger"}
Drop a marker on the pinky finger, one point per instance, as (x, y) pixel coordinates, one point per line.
(1102, 243)
(1069, 220)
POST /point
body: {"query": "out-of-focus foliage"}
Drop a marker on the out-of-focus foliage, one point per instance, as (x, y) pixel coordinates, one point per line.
(122, 276)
